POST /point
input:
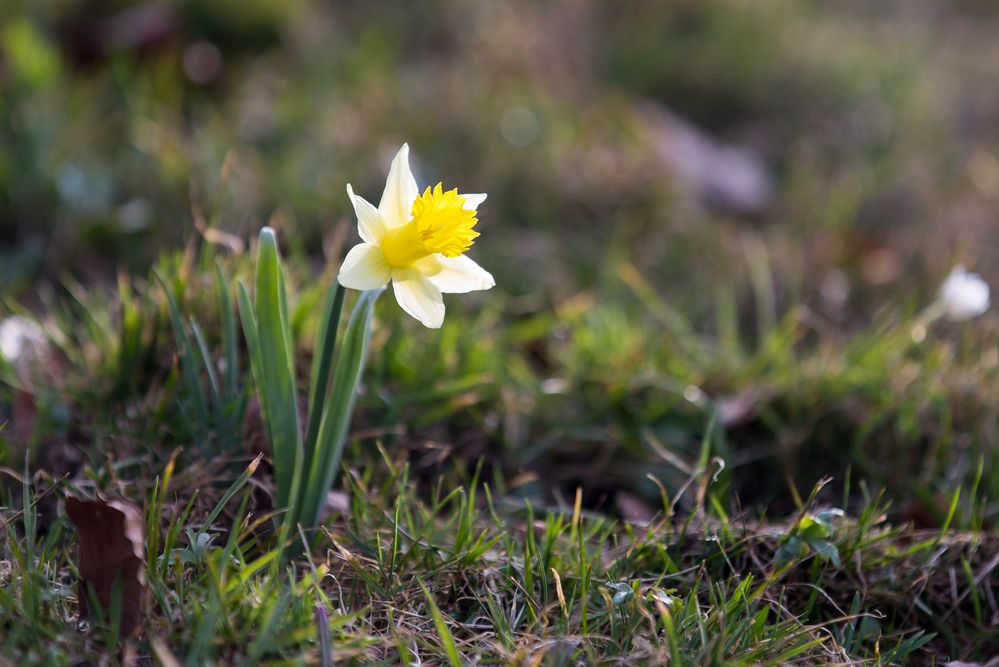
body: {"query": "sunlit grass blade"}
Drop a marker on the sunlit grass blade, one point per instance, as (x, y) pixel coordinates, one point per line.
(233, 489)
(450, 648)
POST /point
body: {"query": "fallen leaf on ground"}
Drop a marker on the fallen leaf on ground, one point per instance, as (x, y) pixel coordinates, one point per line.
(112, 547)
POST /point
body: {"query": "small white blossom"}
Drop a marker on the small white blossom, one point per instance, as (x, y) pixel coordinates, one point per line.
(22, 343)
(964, 295)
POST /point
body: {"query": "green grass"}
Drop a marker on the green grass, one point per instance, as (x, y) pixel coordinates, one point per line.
(441, 554)
(451, 574)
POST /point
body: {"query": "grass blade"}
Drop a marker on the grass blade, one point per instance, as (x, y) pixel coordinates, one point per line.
(230, 343)
(232, 490)
(450, 648)
(196, 399)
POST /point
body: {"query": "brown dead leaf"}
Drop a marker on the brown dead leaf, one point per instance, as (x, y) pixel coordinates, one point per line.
(112, 547)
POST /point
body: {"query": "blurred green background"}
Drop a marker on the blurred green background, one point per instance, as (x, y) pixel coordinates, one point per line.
(728, 197)
(855, 142)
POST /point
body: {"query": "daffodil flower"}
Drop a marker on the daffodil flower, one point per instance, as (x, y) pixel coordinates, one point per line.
(417, 242)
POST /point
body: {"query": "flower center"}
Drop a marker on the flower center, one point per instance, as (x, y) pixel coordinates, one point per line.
(440, 224)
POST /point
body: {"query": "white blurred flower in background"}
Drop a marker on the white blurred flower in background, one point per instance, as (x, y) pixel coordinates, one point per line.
(964, 295)
(22, 343)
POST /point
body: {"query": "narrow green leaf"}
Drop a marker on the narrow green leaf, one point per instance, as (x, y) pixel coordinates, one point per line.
(273, 617)
(322, 363)
(196, 399)
(276, 383)
(335, 420)
(283, 304)
(450, 648)
(950, 512)
(214, 388)
(230, 344)
(230, 492)
(249, 321)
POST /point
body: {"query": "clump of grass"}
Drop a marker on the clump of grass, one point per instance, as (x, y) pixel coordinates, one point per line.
(460, 574)
(430, 556)
(306, 462)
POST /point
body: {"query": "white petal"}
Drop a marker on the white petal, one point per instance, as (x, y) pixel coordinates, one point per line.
(456, 275)
(419, 297)
(400, 191)
(369, 220)
(473, 202)
(364, 268)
